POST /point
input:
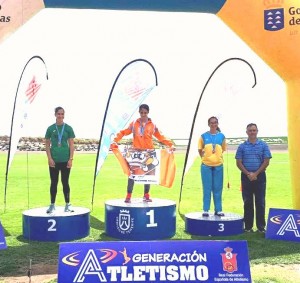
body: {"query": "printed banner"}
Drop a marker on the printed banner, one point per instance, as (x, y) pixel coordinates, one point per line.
(2, 238)
(283, 224)
(133, 84)
(151, 166)
(31, 79)
(28, 87)
(154, 261)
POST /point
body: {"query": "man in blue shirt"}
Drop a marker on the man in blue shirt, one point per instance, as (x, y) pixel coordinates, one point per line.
(252, 158)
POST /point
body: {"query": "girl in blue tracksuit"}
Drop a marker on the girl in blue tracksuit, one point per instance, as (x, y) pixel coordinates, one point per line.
(211, 146)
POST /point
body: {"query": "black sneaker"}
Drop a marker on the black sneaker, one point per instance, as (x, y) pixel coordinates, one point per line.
(248, 230)
(263, 230)
(219, 213)
(205, 214)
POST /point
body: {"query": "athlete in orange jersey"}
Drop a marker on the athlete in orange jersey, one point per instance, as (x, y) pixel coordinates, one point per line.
(143, 130)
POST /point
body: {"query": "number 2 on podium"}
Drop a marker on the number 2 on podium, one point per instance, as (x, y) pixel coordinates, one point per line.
(52, 227)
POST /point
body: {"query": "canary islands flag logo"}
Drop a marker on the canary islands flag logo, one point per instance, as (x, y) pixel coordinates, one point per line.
(273, 15)
(274, 19)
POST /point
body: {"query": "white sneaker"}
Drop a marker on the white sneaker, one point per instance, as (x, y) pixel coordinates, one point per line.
(68, 208)
(51, 208)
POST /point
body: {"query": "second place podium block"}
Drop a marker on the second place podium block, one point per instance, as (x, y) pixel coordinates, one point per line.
(57, 226)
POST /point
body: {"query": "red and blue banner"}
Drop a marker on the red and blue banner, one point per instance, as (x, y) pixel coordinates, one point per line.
(31, 80)
(283, 224)
(154, 261)
(34, 74)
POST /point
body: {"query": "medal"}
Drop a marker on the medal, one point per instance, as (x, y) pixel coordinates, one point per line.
(213, 142)
(60, 135)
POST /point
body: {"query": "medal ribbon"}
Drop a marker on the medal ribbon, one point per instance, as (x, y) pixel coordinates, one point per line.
(60, 134)
(213, 141)
(142, 127)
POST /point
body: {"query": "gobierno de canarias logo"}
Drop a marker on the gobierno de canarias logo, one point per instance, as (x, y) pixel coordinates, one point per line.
(273, 15)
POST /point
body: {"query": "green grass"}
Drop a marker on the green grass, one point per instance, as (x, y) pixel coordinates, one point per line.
(28, 187)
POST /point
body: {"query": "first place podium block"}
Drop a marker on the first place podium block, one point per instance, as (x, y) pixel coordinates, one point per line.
(228, 225)
(140, 220)
(57, 226)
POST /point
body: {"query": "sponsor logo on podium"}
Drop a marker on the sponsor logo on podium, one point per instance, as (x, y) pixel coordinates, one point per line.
(154, 261)
(124, 222)
(283, 224)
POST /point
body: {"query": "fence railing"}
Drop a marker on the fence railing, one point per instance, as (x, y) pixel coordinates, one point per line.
(237, 141)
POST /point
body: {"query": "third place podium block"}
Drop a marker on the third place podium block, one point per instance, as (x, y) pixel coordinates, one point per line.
(230, 224)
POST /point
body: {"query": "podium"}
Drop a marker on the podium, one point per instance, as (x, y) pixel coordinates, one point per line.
(2, 238)
(140, 220)
(228, 225)
(57, 226)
